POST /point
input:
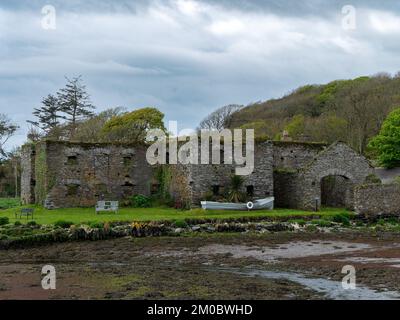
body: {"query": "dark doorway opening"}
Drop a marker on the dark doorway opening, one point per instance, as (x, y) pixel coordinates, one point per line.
(337, 192)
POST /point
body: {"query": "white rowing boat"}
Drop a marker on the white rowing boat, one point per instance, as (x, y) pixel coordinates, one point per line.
(267, 203)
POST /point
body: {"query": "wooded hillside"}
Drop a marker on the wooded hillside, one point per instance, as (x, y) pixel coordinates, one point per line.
(347, 110)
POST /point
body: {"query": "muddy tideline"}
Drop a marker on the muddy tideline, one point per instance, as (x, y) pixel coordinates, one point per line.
(276, 265)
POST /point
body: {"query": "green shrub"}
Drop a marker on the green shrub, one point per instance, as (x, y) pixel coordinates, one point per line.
(311, 228)
(63, 224)
(4, 220)
(96, 225)
(180, 224)
(342, 218)
(7, 203)
(141, 201)
(32, 223)
(393, 220)
(381, 222)
(17, 223)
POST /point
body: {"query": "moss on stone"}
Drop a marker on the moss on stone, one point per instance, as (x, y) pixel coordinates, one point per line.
(285, 171)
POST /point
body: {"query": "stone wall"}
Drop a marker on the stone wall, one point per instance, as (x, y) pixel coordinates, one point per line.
(65, 174)
(295, 155)
(28, 174)
(179, 187)
(78, 174)
(203, 178)
(376, 199)
(336, 160)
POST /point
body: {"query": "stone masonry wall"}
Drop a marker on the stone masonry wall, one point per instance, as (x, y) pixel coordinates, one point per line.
(180, 188)
(337, 160)
(295, 155)
(375, 199)
(81, 174)
(65, 174)
(203, 177)
(28, 174)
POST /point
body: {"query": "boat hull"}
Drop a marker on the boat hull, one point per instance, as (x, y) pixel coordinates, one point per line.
(261, 204)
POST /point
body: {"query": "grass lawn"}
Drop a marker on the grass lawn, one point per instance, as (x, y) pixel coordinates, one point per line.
(84, 215)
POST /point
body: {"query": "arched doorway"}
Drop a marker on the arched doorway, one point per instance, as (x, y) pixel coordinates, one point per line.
(337, 191)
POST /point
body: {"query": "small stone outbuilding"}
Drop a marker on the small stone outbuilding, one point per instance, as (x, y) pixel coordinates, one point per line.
(326, 176)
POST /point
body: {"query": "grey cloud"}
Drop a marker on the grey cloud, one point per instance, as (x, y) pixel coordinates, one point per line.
(187, 58)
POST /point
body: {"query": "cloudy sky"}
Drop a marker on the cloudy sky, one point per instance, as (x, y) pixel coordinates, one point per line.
(188, 57)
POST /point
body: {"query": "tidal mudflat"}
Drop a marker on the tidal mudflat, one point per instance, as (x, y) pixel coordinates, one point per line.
(215, 266)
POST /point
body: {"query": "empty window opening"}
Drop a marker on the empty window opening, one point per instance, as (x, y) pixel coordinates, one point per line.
(72, 160)
(72, 189)
(216, 190)
(222, 156)
(127, 161)
(155, 188)
(250, 191)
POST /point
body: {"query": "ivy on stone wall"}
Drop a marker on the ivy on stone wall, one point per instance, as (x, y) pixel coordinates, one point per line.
(40, 174)
(163, 177)
(45, 181)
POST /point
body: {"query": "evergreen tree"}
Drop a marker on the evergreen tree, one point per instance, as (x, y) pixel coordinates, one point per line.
(48, 115)
(74, 101)
(7, 129)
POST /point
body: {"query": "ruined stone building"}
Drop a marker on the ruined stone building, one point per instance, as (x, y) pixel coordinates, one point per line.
(298, 175)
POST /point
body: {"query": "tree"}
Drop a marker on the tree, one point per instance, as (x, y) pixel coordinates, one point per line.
(133, 126)
(327, 128)
(387, 142)
(34, 134)
(75, 101)
(47, 115)
(7, 129)
(296, 127)
(91, 130)
(10, 174)
(220, 118)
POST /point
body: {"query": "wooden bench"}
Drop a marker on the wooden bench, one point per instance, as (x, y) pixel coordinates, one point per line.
(27, 212)
(107, 206)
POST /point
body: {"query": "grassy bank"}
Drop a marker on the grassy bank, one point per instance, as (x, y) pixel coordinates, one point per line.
(83, 215)
(6, 203)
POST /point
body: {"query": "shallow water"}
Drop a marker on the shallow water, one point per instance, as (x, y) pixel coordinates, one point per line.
(329, 288)
(394, 262)
(290, 250)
